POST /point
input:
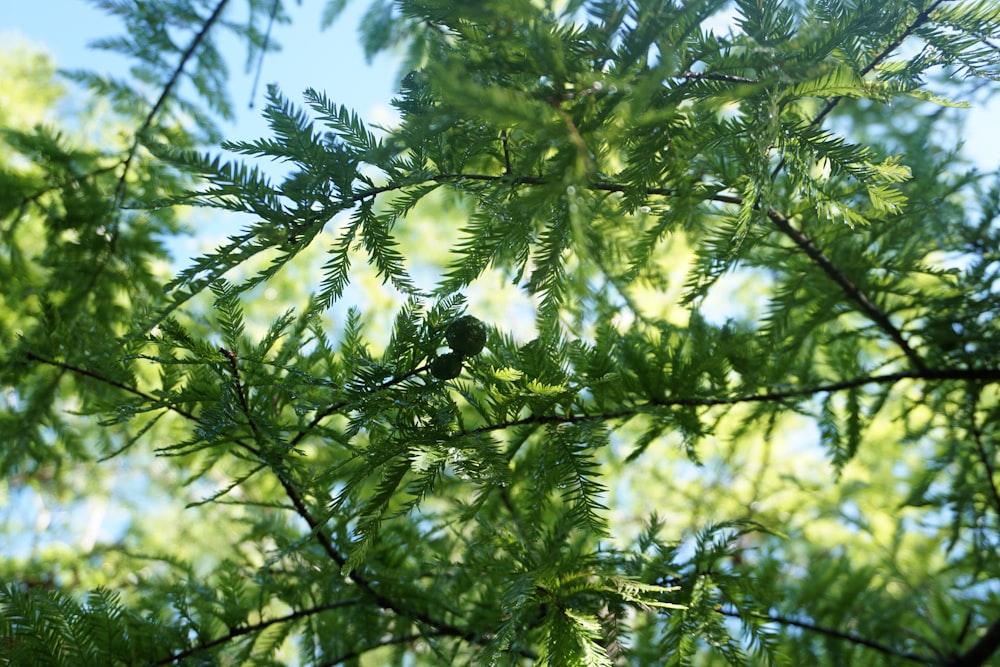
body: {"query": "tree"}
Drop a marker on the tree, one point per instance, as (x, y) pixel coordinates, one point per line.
(625, 473)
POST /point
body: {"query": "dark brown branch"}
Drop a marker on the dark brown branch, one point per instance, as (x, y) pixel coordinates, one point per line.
(507, 169)
(986, 375)
(984, 647)
(832, 103)
(263, 50)
(838, 634)
(66, 367)
(334, 408)
(69, 182)
(443, 628)
(810, 249)
(806, 244)
(783, 224)
(982, 650)
(873, 312)
(299, 504)
(87, 286)
(249, 629)
(62, 365)
(315, 526)
(241, 394)
(984, 456)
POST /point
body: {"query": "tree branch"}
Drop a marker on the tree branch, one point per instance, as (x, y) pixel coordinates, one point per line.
(838, 634)
(921, 19)
(873, 312)
(300, 507)
(315, 526)
(711, 76)
(87, 286)
(832, 103)
(382, 601)
(249, 629)
(244, 404)
(340, 405)
(982, 650)
(67, 183)
(164, 95)
(93, 375)
(807, 246)
(985, 375)
(442, 628)
(984, 456)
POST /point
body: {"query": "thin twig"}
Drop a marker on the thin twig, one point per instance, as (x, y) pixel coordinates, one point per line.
(164, 95)
(87, 287)
(79, 370)
(711, 76)
(334, 408)
(447, 629)
(921, 19)
(263, 50)
(781, 221)
(241, 394)
(69, 182)
(832, 103)
(361, 580)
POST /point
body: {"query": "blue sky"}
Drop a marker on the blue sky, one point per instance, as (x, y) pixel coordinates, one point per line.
(331, 61)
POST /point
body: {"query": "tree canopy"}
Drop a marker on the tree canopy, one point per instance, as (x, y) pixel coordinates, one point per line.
(651, 333)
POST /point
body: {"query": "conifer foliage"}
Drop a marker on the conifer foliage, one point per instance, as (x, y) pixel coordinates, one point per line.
(807, 478)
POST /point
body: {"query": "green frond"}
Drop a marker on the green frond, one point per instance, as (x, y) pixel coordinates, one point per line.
(229, 313)
(839, 81)
(374, 510)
